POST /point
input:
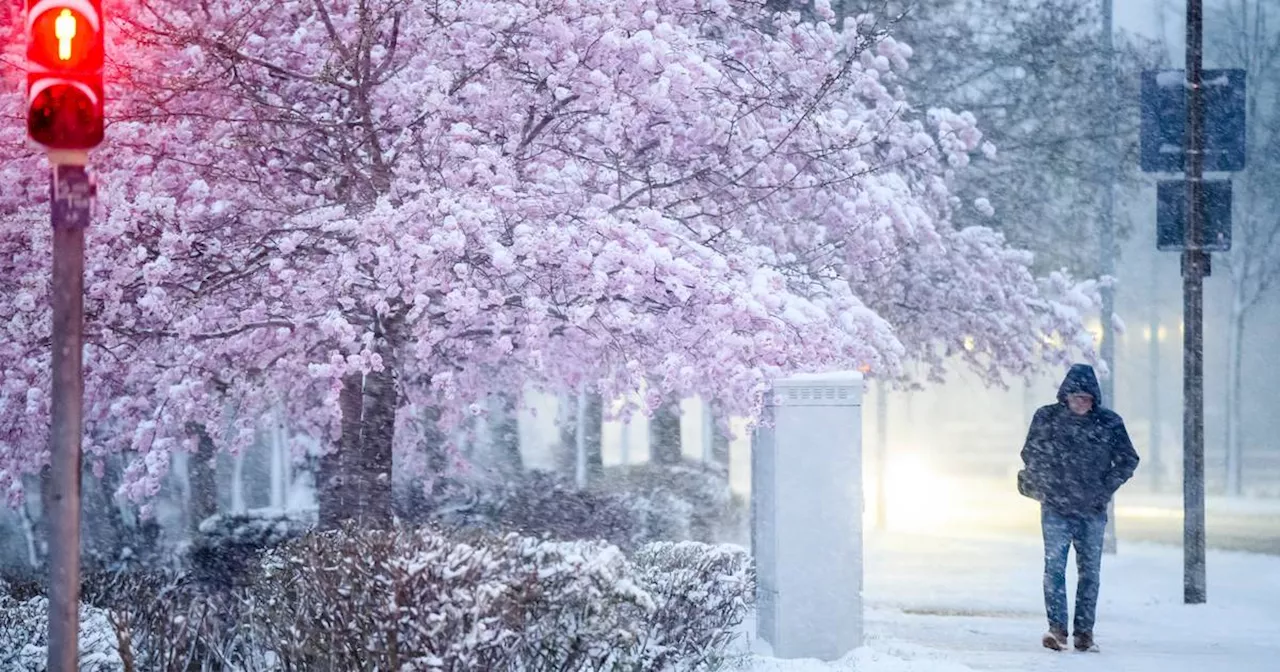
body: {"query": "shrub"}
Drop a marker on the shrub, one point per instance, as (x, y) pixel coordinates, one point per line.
(686, 501)
(423, 599)
(165, 621)
(357, 599)
(631, 506)
(702, 594)
(542, 504)
(24, 637)
(368, 599)
(227, 548)
(350, 600)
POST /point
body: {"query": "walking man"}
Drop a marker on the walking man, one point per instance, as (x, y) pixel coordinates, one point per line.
(1076, 456)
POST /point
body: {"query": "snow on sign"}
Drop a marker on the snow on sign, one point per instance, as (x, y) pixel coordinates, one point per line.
(1171, 215)
(1164, 120)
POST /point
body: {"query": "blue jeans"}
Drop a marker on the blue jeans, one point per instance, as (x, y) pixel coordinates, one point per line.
(1061, 532)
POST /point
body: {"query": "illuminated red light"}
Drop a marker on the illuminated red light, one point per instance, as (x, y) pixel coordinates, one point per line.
(64, 73)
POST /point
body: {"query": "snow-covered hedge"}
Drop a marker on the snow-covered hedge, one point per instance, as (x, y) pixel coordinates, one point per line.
(686, 501)
(24, 637)
(165, 621)
(227, 547)
(417, 598)
(701, 593)
(340, 600)
(543, 503)
(631, 506)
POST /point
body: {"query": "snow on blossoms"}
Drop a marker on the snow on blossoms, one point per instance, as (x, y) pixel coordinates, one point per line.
(360, 210)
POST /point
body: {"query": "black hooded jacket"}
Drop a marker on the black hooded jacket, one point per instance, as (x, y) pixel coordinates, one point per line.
(1075, 463)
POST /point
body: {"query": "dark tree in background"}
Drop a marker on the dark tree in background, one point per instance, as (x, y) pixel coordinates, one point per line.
(1033, 73)
(567, 451)
(202, 479)
(505, 429)
(1246, 34)
(665, 446)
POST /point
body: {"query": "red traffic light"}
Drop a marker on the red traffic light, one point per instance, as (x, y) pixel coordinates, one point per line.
(63, 38)
(64, 80)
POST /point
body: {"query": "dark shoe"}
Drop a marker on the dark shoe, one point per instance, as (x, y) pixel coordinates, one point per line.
(1084, 642)
(1055, 640)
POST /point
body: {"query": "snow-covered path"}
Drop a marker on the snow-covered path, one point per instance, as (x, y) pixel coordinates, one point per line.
(938, 604)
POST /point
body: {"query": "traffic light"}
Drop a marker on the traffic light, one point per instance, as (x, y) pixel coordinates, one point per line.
(64, 73)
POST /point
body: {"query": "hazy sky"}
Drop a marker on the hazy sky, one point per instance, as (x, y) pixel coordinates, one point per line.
(1143, 17)
(1139, 16)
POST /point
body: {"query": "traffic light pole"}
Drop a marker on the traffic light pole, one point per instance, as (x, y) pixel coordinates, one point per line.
(1194, 261)
(71, 195)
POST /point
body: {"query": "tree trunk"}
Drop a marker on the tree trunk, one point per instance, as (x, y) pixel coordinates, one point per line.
(29, 530)
(42, 521)
(377, 435)
(100, 540)
(624, 444)
(505, 440)
(121, 531)
(281, 464)
(336, 492)
(202, 481)
(564, 453)
(580, 441)
(665, 446)
(238, 503)
(719, 444)
(585, 411)
(1235, 373)
(329, 495)
(594, 426)
(434, 442)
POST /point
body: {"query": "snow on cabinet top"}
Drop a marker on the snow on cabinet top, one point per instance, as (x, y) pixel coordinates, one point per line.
(821, 378)
(838, 388)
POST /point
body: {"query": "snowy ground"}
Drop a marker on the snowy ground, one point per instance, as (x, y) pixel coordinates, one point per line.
(947, 604)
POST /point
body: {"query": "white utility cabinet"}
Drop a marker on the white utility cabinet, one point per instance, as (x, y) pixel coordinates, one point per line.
(806, 516)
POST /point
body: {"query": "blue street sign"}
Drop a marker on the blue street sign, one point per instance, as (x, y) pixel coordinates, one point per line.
(1164, 120)
(1215, 215)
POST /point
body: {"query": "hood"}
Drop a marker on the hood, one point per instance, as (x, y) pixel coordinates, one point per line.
(1081, 378)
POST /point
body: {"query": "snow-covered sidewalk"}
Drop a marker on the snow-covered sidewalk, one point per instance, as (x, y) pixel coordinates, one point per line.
(939, 604)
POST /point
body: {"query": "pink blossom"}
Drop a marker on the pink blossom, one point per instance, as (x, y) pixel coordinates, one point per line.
(521, 193)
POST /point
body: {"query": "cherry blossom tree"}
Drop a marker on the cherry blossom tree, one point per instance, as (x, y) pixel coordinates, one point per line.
(375, 212)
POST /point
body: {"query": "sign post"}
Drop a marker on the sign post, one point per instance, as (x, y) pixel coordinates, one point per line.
(1193, 533)
(1193, 120)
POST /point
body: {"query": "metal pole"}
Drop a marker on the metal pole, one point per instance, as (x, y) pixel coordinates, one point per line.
(1193, 260)
(882, 456)
(1107, 241)
(71, 196)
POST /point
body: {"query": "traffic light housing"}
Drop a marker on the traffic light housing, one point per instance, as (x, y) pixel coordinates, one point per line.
(64, 73)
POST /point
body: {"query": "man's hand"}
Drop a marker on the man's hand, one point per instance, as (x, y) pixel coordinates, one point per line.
(1100, 504)
(1025, 486)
